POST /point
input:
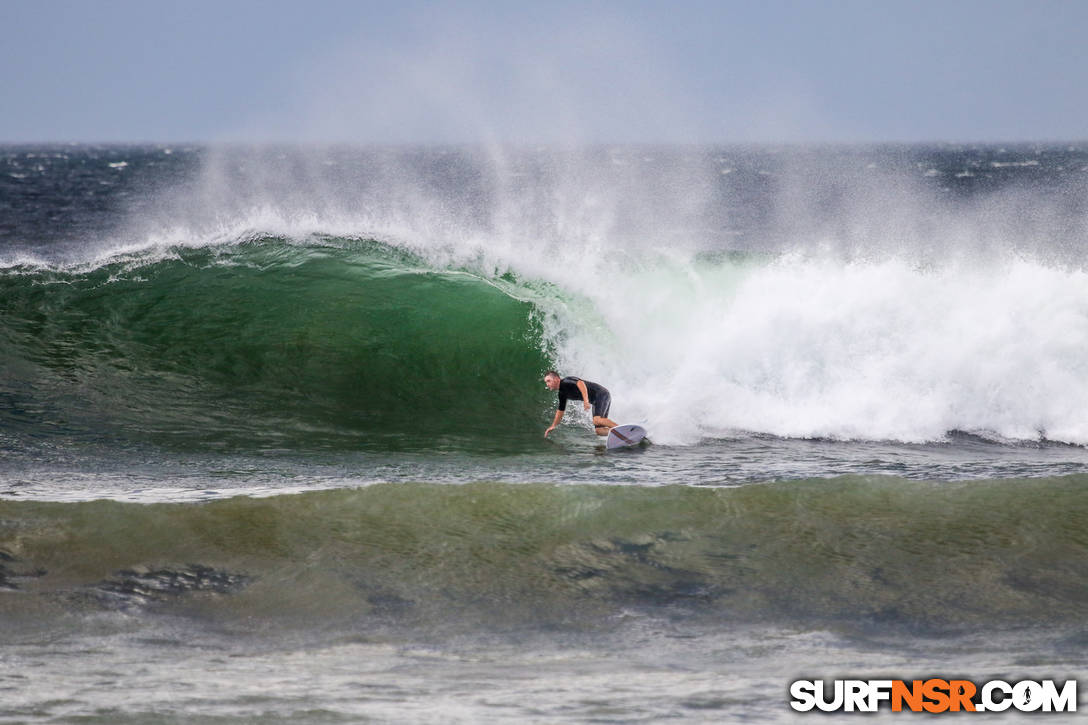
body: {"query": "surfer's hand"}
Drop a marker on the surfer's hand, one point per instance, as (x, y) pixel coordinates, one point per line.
(548, 431)
(585, 404)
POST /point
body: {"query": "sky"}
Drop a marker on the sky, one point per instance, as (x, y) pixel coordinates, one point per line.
(410, 71)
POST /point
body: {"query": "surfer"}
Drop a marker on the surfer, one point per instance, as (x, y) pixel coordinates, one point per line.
(590, 393)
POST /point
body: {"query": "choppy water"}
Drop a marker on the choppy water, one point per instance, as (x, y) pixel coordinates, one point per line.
(271, 429)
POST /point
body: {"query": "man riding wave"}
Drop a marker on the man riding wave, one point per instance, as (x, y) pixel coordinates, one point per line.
(591, 394)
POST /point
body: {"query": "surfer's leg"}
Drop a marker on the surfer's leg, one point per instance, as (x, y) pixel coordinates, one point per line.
(603, 425)
(601, 405)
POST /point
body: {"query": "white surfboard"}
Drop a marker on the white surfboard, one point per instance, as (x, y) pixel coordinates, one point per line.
(625, 436)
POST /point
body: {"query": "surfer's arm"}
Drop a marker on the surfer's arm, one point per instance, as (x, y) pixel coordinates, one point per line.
(585, 393)
(558, 417)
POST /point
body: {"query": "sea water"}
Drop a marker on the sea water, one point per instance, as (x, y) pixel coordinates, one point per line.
(271, 428)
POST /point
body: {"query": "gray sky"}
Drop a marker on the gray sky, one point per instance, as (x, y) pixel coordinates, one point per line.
(551, 72)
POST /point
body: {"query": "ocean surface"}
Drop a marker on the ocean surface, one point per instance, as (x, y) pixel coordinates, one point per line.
(271, 429)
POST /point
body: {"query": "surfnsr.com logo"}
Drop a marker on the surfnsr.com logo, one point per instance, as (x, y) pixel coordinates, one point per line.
(933, 695)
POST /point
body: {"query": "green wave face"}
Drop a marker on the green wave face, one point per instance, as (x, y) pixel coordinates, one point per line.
(267, 343)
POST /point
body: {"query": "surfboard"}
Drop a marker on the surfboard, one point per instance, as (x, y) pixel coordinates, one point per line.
(625, 436)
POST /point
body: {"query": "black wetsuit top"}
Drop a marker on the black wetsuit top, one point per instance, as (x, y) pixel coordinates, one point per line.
(599, 397)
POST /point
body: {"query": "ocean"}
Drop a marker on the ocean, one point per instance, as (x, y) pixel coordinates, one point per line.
(272, 429)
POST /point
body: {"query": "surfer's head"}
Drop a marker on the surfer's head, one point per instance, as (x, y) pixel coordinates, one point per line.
(551, 379)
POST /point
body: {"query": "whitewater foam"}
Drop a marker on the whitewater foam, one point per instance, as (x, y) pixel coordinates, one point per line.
(880, 351)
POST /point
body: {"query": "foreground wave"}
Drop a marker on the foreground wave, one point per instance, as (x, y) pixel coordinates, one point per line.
(847, 552)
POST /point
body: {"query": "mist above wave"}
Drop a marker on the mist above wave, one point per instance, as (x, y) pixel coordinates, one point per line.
(872, 293)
